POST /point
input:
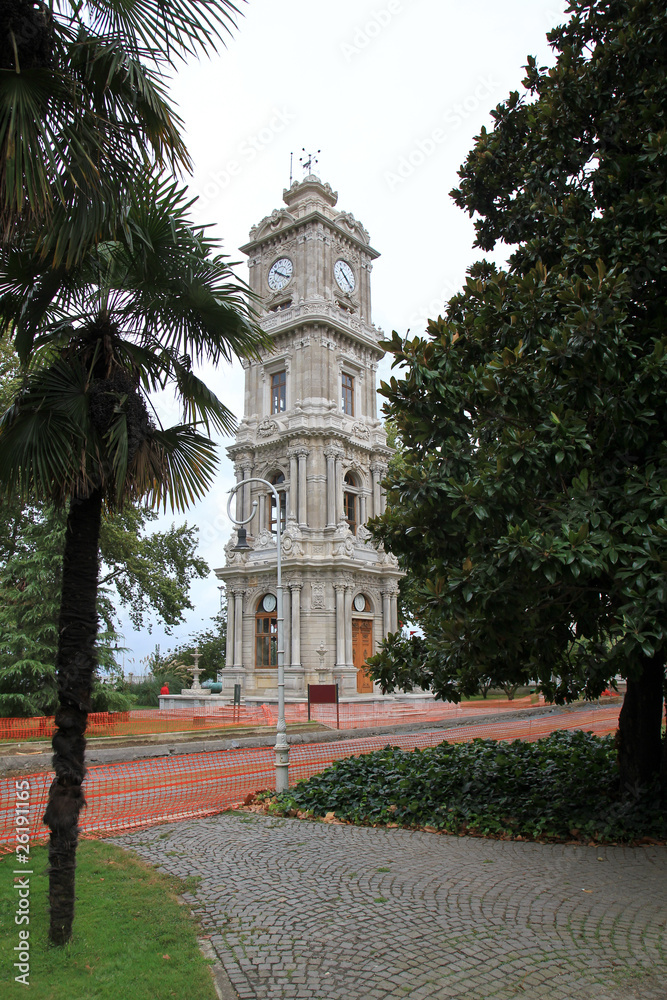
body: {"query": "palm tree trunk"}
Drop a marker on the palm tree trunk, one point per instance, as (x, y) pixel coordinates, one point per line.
(75, 665)
(639, 726)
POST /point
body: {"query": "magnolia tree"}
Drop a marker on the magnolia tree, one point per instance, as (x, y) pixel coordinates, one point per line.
(529, 504)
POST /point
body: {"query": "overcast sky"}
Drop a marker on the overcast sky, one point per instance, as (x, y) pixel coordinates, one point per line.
(392, 92)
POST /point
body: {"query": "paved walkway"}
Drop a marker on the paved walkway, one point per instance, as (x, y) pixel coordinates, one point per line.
(309, 911)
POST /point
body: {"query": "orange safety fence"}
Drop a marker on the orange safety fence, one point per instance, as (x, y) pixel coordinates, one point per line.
(356, 715)
(129, 795)
(140, 722)
(359, 715)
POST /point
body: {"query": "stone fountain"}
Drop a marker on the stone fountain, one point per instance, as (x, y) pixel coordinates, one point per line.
(196, 671)
(195, 696)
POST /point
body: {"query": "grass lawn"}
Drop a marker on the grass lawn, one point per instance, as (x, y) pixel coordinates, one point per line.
(132, 939)
(497, 694)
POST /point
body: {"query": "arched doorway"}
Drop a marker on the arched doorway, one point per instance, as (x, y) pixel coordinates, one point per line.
(362, 644)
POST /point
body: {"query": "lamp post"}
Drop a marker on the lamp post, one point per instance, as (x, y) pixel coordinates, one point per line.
(282, 747)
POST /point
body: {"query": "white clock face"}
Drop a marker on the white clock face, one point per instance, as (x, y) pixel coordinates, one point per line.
(269, 603)
(280, 273)
(360, 603)
(344, 275)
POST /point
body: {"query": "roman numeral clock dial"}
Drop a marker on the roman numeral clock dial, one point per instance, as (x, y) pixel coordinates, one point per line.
(280, 274)
(344, 275)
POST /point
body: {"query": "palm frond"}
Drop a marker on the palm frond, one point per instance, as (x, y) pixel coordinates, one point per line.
(200, 404)
(128, 318)
(74, 136)
(184, 294)
(176, 465)
(117, 444)
(163, 29)
(47, 446)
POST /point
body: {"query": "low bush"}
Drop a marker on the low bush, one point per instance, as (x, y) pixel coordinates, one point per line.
(562, 787)
(147, 691)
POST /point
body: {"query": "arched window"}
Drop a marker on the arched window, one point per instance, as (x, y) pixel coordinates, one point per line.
(266, 633)
(351, 501)
(278, 391)
(347, 394)
(276, 479)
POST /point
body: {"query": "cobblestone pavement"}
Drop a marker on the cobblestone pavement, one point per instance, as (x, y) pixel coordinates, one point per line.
(309, 911)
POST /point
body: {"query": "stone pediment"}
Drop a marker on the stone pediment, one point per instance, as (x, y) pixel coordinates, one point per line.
(279, 219)
(347, 222)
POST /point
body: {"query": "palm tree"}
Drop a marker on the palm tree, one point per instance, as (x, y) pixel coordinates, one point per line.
(131, 318)
(83, 108)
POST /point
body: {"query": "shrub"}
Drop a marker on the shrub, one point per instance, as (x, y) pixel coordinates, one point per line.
(562, 787)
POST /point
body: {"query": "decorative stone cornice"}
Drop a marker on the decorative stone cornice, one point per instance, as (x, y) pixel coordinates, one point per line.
(319, 311)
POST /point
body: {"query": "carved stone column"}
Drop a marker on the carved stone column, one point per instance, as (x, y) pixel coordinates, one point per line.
(262, 513)
(247, 473)
(386, 613)
(239, 494)
(302, 454)
(296, 623)
(287, 623)
(330, 454)
(339, 487)
(349, 658)
(340, 624)
(383, 495)
(375, 470)
(293, 480)
(229, 645)
(394, 611)
(362, 508)
(238, 627)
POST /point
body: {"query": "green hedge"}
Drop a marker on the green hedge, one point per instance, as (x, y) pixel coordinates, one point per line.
(562, 787)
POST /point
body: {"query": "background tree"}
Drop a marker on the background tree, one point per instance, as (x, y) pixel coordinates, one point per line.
(211, 643)
(170, 668)
(129, 319)
(140, 571)
(531, 509)
(148, 572)
(29, 600)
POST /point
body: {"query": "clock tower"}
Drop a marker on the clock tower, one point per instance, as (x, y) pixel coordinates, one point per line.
(310, 427)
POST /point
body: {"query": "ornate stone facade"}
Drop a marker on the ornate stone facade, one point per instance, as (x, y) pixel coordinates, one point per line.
(310, 426)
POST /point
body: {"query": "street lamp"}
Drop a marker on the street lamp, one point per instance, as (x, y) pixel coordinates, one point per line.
(281, 748)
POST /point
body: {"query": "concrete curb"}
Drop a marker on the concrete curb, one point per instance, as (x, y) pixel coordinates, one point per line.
(28, 763)
(221, 982)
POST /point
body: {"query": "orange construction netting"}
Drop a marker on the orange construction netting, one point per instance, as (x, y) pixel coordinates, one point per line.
(354, 715)
(129, 795)
(140, 722)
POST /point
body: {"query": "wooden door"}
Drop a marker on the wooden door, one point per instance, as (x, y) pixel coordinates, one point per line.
(362, 648)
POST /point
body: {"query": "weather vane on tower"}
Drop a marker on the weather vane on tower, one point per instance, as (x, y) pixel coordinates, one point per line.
(307, 161)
